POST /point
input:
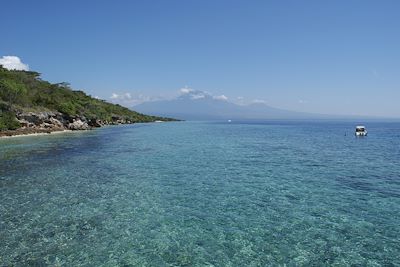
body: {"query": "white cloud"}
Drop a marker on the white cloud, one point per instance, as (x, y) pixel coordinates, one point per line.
(13, 63)
(197, 96)
(186, 90)
(220, 97)
(193, 94)
(125, 96)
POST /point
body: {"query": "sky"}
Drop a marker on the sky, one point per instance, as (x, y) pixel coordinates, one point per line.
(331, 57)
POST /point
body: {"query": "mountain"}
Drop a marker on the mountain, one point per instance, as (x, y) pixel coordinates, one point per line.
(199, 105)
(27, 100)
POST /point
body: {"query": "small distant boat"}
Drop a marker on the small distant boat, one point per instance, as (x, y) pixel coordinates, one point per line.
(361, 131)
(229, 120)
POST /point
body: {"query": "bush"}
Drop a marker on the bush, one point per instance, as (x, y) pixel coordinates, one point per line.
(67, 108)
(8, 121)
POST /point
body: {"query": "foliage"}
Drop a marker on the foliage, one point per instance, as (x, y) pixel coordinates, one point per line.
(8, 121)
(24, 91)
(10, 90)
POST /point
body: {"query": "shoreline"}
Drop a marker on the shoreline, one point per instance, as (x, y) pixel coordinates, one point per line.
(21, 132)
(30, 132)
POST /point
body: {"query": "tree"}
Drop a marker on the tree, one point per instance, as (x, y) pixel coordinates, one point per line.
(10, 90)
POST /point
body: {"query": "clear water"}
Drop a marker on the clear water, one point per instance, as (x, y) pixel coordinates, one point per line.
(203, 194)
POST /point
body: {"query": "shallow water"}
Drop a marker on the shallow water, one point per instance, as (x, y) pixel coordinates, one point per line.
(203, 194)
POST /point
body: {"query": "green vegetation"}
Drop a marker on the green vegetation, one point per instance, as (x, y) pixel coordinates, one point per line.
(23, 91)
(8, 121)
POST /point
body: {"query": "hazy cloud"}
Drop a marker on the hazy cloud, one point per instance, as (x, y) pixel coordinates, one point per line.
(198, 96)
(240, 100)
(129, 100)
(259, 101)
(220, 97)
(124, 99)
(13, 63)
(125, 96)
(193, 94)
(186, 90)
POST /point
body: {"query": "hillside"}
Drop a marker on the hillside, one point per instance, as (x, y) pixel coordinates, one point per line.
(25, 98)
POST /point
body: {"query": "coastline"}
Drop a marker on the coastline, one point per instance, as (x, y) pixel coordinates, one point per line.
(21, 132)
(31, 132)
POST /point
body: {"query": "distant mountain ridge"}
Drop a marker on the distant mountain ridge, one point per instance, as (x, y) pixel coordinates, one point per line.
(200, 105)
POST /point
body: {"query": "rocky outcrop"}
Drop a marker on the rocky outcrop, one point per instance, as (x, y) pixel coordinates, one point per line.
(42, 120)
(54, 121)
(95, 123)
(78, 124)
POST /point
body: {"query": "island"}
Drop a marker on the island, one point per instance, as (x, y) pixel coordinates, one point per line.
(30, 105)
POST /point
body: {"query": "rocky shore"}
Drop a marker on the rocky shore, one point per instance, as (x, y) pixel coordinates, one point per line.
(48, 122)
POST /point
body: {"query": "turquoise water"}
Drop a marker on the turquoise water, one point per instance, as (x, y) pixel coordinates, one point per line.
(203, 194)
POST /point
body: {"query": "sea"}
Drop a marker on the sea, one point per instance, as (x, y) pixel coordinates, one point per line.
(269, 193)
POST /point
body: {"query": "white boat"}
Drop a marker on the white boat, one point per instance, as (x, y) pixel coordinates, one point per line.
(361, 131)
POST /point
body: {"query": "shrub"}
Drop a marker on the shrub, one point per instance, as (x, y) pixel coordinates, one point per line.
(8, 121)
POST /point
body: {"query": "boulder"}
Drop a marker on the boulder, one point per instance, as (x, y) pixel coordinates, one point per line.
(78, 124)
(56, 122)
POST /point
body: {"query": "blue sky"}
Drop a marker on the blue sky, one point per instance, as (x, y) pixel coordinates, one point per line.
(334, 57)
